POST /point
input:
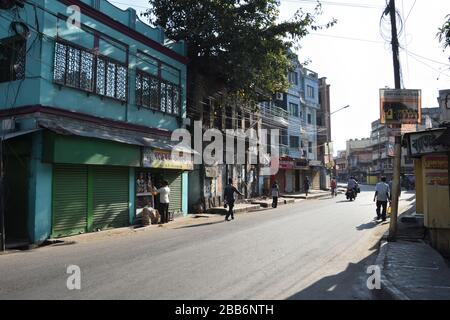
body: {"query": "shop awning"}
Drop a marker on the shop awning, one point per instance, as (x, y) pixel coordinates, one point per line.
(10, 135)
(69, 127)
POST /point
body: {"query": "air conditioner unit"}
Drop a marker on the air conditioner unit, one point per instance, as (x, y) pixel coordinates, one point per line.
(280, 96)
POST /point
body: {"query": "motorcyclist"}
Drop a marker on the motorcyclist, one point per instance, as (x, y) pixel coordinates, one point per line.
(352, 185)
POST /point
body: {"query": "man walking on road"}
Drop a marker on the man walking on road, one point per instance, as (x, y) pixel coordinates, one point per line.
(275, 194)
(230, 190)
(382, 196)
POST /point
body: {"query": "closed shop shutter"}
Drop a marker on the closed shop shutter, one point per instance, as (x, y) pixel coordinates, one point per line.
(70, 187)
(110, 197)
(175, 181)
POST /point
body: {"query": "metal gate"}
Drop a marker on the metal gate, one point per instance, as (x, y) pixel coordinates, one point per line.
(70, 200)
(175, 181)
(110, 197)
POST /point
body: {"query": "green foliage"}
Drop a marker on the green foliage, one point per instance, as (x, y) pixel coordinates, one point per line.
(444, 33)
(237, 43)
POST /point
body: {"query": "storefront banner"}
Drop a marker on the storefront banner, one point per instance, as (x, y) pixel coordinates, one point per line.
(286, 164)
(162, 159)
(425, 142)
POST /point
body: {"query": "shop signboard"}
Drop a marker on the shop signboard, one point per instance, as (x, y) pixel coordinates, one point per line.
(400, 106)
(436, 170)
(162, 159)
(425, 142)
(286, 165)
(301, 164)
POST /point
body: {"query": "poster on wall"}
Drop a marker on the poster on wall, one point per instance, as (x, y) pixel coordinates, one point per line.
(436, 170)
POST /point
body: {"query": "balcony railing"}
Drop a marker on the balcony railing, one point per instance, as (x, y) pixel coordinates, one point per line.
(274, 113)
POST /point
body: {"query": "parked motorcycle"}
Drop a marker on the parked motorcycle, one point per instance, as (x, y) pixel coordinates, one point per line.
(350, 194)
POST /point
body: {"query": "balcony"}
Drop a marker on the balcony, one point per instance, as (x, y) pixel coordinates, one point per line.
(273, 115)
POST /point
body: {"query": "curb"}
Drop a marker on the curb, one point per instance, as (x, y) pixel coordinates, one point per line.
(387, 286)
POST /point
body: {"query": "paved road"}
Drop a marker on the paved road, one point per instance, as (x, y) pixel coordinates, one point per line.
(315, 249)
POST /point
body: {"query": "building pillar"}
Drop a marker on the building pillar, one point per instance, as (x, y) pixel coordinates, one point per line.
(40, 193)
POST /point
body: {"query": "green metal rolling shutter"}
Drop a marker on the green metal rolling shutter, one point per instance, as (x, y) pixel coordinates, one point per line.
(110, 197)
(70, 186)
(175, 184)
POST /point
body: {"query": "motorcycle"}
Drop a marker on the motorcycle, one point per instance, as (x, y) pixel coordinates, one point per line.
(350, 194)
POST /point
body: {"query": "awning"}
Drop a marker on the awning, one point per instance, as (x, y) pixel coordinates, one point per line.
(444, 139)
(69, 127)
(10, 135)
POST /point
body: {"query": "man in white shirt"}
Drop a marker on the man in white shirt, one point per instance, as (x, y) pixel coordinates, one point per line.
(382, 196)
(164, 193)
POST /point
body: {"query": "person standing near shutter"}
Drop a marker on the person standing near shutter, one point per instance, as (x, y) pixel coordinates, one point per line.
(164, 200)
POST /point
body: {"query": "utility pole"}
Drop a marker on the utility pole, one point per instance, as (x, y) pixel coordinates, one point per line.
(398, 140)
(2, 200)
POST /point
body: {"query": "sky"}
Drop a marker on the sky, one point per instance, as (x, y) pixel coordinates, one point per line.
(357, 61)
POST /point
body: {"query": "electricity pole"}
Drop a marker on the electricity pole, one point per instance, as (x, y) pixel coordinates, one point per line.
(398, 139)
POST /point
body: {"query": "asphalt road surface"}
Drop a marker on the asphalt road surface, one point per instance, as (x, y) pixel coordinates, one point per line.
(315, 249)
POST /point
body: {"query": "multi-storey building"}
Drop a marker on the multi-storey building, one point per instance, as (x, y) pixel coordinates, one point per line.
(89, 97)
(324, 143)
(299, 139)
(359, 158)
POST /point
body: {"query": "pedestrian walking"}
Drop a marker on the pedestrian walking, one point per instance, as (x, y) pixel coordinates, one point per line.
(306, 185)
(382, 196)
(230, 190)
(164, 201)
(275, 194)
(333, 185)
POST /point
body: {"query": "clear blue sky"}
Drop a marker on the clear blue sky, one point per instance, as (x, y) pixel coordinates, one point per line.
(357, 60)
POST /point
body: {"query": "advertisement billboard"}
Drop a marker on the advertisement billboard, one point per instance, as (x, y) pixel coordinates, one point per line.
(400, 106)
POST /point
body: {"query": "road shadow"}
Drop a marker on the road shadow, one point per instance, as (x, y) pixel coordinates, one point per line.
(350, 284)
(367, 226)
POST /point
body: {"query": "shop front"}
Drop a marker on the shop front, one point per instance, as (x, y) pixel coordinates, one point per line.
(284, 177)
(431, 153)
(158, 167)
(316, 167)
(301, 166)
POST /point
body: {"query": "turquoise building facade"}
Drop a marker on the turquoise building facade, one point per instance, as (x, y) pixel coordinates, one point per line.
(89, 97)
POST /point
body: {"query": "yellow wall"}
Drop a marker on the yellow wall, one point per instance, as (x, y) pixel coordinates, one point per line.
(436, 203)
(372, 179)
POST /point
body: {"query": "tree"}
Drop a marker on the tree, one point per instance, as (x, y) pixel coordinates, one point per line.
(235, 47)
(444, 33)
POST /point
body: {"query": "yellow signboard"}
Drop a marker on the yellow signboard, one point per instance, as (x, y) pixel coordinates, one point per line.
(162, 159)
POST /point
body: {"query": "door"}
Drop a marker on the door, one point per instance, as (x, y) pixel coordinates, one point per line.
(70, 200)
(110, 197)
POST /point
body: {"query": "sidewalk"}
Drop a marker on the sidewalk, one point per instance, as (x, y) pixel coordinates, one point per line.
(238, 208)
(313, 194)
(267, 202)
(411, 269)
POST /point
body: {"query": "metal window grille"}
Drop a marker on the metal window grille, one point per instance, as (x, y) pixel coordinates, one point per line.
(154, 93)
(82, 69)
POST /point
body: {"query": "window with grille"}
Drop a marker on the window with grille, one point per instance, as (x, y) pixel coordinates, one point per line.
(12, 59)
(157, 94)
(295, 141)
(82, 69)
